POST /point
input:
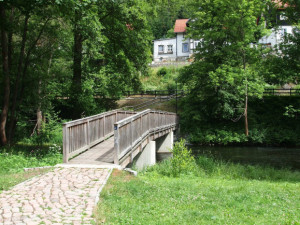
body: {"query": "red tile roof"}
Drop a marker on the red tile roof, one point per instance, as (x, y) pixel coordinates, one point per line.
(180, 25)
(280, 5)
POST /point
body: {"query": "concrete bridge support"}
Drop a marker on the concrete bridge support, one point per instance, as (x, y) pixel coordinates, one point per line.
(164, 145)
(147, 157)
(158, 149)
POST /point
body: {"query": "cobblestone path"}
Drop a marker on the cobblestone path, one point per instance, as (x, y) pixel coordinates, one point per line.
(62, 196)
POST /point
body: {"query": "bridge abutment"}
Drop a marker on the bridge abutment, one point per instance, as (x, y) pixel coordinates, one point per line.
(155, 150)
(147, 157)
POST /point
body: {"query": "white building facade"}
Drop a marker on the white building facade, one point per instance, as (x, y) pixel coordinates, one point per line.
(179, 48)
(182, 48)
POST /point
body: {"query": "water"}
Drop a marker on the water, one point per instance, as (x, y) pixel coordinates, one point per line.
(276, 157)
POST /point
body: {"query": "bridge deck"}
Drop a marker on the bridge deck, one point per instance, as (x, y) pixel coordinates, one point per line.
(101, 154)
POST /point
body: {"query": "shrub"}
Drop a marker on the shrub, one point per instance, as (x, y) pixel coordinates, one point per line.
(183, 161)
(51, 132)
(162, 72)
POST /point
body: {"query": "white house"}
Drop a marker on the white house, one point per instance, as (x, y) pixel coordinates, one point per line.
(283, 27)
(179, 48)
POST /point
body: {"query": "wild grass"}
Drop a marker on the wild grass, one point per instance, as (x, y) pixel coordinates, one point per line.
(14, 160)
(212, 192)
(161, 78)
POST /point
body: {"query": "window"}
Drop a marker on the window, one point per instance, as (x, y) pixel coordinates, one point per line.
(170, 48)
(196, 43)
(160, 49)
(283, 32)
(185, 47)
(282, 16)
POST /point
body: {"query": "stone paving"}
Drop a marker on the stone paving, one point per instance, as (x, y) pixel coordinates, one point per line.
(61, 196)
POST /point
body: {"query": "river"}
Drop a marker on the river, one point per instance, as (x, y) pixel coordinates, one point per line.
(275, 157)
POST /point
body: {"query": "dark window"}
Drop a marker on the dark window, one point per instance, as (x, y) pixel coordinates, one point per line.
(170, 48)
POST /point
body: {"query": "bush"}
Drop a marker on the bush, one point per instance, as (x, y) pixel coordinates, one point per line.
(51, 132)
(182, 162)
(162, 72)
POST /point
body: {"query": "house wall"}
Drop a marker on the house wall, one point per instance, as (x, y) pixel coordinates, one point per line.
(165, 56)
(276, 36)
(180, 39)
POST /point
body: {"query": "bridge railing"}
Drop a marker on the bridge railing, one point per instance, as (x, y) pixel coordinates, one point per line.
(80, 135)
(130, 132)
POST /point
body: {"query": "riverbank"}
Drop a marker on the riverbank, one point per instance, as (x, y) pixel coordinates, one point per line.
(185, 190)
(218, 193)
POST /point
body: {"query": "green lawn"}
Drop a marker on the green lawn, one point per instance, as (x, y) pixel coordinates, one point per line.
(220, 197)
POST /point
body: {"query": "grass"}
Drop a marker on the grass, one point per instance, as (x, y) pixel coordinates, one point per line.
(14, 160)
(213, 192)
(11, 179)
(161, 81)
(169, 106)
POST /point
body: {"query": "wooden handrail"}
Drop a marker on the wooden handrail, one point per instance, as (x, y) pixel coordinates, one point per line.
(130, 131)
(80, 135)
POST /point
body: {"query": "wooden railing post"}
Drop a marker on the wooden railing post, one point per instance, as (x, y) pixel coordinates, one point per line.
(88, 133)
(65, 144)
(117, 144)
(104, 126)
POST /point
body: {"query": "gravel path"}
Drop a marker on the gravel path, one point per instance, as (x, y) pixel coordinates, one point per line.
(62, 196)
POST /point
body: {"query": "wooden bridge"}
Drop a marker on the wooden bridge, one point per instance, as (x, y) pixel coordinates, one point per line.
(114, 137)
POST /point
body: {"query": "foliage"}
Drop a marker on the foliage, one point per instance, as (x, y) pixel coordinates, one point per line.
(67, 51)
(291, 111)
(229, 71)
(182, 160)
(162, 71)
(282, 62)
(269, 124)
(162, 14)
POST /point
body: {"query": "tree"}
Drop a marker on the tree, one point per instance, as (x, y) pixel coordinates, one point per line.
(226, 68)
(6, 73)
(49, 51)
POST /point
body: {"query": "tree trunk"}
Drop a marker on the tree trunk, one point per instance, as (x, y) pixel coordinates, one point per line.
(246, 95)
(246, 112)
(19, 74)
(77, 69)
(4, 44)
(10, 39)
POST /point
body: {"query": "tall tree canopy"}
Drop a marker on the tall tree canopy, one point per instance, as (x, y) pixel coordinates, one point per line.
(226, 70)
(74, 49)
